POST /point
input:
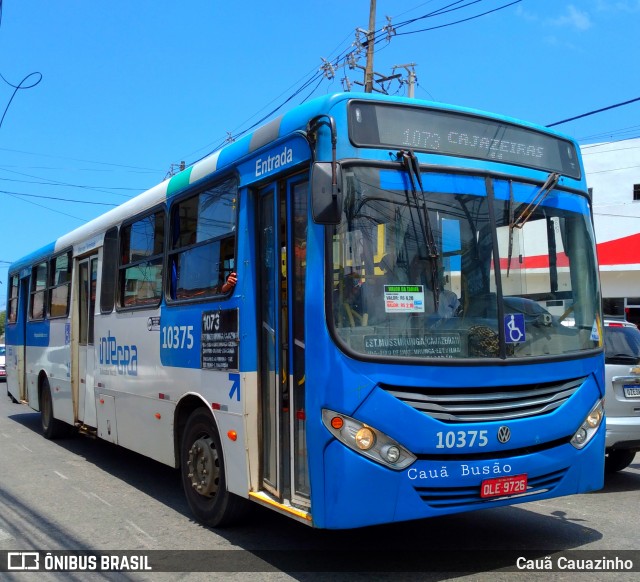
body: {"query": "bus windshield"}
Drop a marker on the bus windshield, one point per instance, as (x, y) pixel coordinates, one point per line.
(462, 267)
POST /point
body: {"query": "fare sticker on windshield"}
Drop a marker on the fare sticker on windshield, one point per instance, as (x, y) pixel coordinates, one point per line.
(404, 298)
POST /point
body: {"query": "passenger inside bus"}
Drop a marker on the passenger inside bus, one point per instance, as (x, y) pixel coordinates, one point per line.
(421, 273)
(203, 269)
(361, 301)
(347, 302)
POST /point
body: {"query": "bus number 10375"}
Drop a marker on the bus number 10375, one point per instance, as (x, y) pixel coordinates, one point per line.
(460, 439)
(176, 337)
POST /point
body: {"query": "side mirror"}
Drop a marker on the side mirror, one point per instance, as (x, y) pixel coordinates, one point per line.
(326, 194)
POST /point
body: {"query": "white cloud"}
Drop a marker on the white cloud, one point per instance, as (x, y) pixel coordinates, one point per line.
(618, 6)
(574, 18)
(520, 11)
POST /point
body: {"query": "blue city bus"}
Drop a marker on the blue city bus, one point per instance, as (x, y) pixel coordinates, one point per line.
(369, 310)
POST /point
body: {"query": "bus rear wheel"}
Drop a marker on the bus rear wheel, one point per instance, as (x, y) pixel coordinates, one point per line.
(52, 428)
(203, 473)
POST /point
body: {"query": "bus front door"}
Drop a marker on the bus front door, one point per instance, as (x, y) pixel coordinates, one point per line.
(87, 285)
(282, 221)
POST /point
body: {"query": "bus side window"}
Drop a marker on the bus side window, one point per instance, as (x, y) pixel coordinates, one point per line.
(202, 249)
(38, 292)
(59, 285)
(140, 277)
(12, 315)
(109, 270)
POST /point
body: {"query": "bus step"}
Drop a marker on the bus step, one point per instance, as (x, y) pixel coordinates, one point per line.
(87, 430)
(264, 498)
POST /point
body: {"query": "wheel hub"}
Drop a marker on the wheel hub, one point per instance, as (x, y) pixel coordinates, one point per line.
(204, 470)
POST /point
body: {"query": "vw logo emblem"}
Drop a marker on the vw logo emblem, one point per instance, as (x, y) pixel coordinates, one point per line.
(504, 434)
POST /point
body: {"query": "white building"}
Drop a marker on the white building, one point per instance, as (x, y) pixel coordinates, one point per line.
(613, 176)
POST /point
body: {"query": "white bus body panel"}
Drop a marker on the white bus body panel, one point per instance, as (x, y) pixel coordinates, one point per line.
(136, 396)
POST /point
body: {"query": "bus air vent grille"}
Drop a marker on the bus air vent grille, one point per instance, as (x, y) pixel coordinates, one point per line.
(487, 404)
(468, 496)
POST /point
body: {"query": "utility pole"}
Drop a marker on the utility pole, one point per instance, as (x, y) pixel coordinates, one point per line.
(368, 74)
(174, 169)
(372, 81)
(411, 82)
(411, 77)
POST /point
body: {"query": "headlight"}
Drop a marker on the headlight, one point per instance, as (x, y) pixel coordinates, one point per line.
(367, 441)
(589, 426)
(365, 438)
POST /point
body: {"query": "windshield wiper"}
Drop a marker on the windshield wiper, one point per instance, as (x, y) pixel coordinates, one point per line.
(523, 217)
(412, 167)
(546, 189)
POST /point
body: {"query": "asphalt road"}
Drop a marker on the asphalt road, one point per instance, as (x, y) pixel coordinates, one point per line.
(86, 494)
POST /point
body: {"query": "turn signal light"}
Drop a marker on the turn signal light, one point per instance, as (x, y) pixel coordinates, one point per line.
(337, 422)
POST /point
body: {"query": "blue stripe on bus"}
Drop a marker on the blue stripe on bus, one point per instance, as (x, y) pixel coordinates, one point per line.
(38, 333)
(523, 193)
(31, 259)
(439, 182)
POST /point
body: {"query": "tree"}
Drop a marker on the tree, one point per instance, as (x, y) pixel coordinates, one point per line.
(3, 319)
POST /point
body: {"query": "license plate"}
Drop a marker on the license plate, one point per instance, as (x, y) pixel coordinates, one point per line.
(511, 485)
(631, 391)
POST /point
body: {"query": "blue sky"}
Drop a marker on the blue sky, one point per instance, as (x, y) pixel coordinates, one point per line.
(124, 89)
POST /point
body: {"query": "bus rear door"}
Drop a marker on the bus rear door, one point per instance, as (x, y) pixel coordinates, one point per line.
(86, 305)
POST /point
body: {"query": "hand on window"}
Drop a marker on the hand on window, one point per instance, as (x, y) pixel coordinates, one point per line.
(230, 283)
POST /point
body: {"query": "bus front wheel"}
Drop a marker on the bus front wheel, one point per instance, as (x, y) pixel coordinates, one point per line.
(203, 473)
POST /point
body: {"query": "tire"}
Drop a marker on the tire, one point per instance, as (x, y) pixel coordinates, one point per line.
(52, 428)
(11, 396)
(617, 460)
(203, 473)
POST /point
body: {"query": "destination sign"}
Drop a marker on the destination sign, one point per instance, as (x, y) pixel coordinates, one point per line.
(459, 134)
(434, 345)
(220, 340)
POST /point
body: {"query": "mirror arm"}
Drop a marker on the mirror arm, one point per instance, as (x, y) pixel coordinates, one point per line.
(312, 131)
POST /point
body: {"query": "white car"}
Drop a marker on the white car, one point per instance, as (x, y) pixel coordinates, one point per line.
(622, 399)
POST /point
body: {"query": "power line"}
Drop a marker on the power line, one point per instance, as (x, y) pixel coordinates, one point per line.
(47, 208)
(17, 88)
(602, 151)
(461, 20)
(438, 12)
(594, 112)
(56, 198)
(613, 170)
(103, 189)
(609, 134)
(150, 170)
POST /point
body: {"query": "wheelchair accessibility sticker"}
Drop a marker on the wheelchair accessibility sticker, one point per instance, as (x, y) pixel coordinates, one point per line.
(514, 329)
